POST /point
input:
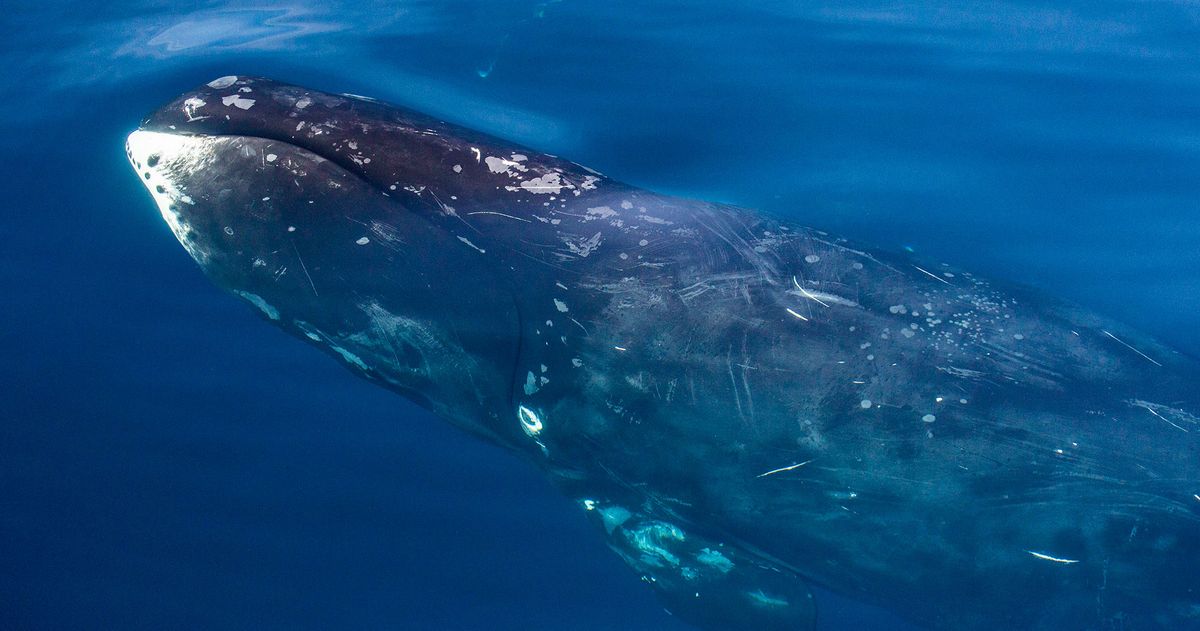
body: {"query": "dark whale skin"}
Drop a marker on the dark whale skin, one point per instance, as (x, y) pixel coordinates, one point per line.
(743, 405)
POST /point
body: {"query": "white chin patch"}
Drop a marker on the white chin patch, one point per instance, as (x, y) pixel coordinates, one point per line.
(161, 162)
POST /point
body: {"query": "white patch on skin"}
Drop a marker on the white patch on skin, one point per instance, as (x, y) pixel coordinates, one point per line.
(257, 301)
(303, 102)
(599, 212)
(272, 157)
(614, 517)
(468, 242)
(626, 205)
(223, 82)
(560, 305)
(510, 168)
(548, 183)
(655, 220)
(929, 418)
(714, 558)
(237, 101)
(576, 362)
(652, 538)
(363, 241)
(457, 168)
(531, 383)
(589, 182)
(580, 246)
(190, 106)
(530, 423)
(865, 404)
(812, 258)
(182, 153)
(824, 298)
(350, 358)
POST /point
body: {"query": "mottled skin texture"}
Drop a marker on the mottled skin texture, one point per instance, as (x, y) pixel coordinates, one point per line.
(740, 404)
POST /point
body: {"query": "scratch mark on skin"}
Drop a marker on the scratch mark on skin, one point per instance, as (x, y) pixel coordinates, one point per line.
(621, 348)
(585, 331)
(489, 212)
(782, 469)
(932, 275)
(305, 268)
(746, 382)
(806, 294)
(1047, 557)
(1148, 408)
(1122, 343)
(797, 315)
(737, 397)
(468, 242)
(1197, 496)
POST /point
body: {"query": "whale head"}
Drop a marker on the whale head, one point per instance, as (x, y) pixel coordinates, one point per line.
(269, 188)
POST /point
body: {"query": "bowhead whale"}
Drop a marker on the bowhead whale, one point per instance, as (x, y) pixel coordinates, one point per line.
(743, 406)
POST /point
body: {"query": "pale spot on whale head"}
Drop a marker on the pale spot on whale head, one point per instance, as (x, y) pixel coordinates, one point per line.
(531, 384)
(929, 418)
(223, 82)
(812, 258)
(237, 101)
(865, 404)
(363, 241)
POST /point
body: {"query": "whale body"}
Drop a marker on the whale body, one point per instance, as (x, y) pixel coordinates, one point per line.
(743, 406)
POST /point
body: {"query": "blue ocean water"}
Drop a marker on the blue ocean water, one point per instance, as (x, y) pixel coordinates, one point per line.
(169, 460)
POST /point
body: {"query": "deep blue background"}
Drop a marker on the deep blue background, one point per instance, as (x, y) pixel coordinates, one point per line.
(169, 460)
